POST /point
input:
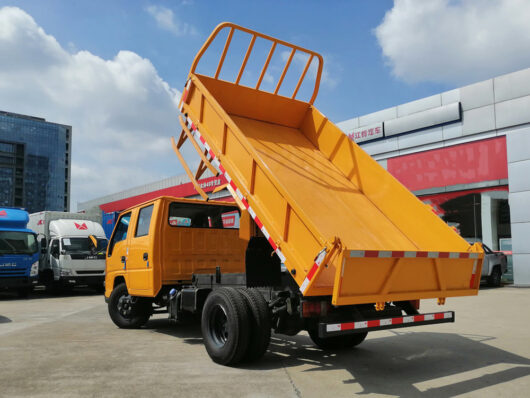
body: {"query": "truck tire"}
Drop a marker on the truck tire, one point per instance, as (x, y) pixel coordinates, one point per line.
(260, 324)
(337, 342)
(495, 278)
(128, 312)
(225, 326)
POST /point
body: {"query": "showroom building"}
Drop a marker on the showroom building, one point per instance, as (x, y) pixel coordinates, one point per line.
(464, 152)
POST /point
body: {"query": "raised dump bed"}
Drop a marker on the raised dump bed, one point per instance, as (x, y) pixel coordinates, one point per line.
(341, 224)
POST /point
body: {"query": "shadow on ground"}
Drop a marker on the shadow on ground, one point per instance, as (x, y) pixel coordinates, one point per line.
(4, 319)
(409, 364)
(41, 293)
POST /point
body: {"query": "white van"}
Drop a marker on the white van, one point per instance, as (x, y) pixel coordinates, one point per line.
(73, 248)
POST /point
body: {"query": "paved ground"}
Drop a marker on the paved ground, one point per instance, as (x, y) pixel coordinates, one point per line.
(68, 347)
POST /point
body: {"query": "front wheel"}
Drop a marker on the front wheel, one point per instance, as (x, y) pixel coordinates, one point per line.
(337, 342)
(126, 311)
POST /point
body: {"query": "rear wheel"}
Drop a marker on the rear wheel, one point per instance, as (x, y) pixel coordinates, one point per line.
(495, 278)
(260, 324)
(225, 326)
(126, 311)
(337, 342)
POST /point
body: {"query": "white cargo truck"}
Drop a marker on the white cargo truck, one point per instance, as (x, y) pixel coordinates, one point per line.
(73, 247)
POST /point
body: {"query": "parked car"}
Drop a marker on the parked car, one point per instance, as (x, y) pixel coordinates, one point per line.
(495, 264)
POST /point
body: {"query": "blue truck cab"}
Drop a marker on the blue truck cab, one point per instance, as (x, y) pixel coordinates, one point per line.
(19, 252)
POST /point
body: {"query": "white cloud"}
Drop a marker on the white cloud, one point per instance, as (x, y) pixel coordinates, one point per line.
(455, 42)
(165, 19)
(122, 112)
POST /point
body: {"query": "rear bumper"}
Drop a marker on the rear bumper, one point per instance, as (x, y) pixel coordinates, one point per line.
(334, 329)
(15, 282)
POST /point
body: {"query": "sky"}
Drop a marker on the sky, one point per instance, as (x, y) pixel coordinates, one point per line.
(114, 70)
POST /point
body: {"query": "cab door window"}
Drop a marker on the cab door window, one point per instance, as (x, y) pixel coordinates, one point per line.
(54, 248)
(144, 221)
(120, 232)
(194, 215)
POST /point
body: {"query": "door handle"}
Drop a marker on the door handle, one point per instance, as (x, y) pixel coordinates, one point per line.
(145, 257)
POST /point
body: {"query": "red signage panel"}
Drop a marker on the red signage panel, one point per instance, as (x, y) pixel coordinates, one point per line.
(477, 161)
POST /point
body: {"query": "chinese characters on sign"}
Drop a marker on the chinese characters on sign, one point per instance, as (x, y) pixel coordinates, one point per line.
(212, 183)
(367, 133)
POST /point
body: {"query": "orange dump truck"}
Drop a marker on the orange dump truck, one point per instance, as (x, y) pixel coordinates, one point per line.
(334, 244)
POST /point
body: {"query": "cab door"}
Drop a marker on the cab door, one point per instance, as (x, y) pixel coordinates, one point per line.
(140, 263)
(118, 249)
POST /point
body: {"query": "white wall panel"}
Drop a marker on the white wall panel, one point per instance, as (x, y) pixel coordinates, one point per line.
(520, 207)
(448, 97)
(453, 130)
(428, 118)
(512, 85)
(513, 112)
(420, 138)
(519, 176)
(518, 144)
(520, 234)
(478, 120)
(380, 116)
(348, 125)
(419, 105)
(388, 145)
(521, 269)
(477, 95)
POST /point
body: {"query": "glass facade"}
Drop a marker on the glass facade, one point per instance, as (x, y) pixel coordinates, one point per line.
(34, 163)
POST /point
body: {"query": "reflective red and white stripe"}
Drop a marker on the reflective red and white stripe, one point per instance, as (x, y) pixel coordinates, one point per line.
(375, 323)
(473, 274)
(318, 260)
(217, 164)
(185, 94)
(410, 254)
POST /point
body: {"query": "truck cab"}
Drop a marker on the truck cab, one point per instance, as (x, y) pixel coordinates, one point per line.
(19, 252)
(73, 250)
(164, 242)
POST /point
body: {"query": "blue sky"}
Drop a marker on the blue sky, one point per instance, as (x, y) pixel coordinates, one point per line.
(341, 30)
(114, 69)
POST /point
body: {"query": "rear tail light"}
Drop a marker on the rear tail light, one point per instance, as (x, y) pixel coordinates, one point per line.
(314, 308)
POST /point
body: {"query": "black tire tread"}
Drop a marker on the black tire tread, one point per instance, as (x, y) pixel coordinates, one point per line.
(260, 328)
(137, 321)
(492, 279)
(238, 309)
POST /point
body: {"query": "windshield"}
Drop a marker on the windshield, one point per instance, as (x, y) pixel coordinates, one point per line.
(83, 245)
(14, 242)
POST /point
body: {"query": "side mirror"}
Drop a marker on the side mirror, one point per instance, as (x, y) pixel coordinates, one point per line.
(43, 243)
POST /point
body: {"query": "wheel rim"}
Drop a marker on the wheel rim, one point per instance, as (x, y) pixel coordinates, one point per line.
(218, 326)
(125, 306)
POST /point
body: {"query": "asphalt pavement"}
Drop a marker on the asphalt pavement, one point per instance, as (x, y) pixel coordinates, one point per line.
(68, 347)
